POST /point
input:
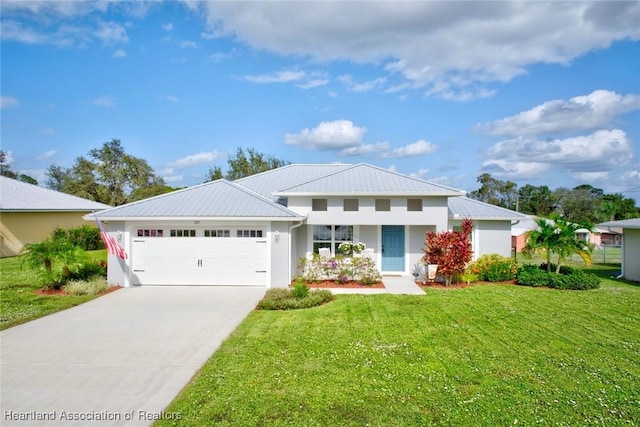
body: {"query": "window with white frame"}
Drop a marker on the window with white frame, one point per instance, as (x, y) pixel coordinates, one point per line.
(182, 233)
(414, 205)
(318, 205)
(249, 233)
(150, 232)
(383, 205)
(330, 236)
(350, 205)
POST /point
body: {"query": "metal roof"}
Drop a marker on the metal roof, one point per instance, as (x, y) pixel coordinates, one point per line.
(633, 223)
(365, 179)
(20, 196)
(266, 183)
(464, 207)
(219, 198)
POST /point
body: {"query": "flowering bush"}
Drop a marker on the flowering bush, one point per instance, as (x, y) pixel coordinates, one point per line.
(493, 268)
(340, 269)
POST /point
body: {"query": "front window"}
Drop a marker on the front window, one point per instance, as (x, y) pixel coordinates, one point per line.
(330, 236)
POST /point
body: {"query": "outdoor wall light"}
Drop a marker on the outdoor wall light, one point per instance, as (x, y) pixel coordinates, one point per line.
(276, 236)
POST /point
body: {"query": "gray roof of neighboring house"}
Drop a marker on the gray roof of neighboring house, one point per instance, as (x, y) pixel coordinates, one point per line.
(364, 179)
(266, 183)
(219, 198)
(624, 223)
(20, 196)
(464, 207)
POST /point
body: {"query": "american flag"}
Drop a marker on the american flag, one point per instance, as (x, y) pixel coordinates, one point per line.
(110, 242)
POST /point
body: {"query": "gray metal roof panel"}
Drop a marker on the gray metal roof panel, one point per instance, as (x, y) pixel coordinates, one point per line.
(219, 198)
(269, 182)
(20, 197)
(464, 207)
(362, 179)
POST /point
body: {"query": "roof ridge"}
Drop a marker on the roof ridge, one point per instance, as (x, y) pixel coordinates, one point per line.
(258, 196)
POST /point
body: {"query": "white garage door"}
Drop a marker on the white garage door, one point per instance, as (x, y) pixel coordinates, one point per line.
(222, 256)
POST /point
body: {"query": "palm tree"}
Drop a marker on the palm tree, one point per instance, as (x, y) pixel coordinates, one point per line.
(55, 258)
(558, 236)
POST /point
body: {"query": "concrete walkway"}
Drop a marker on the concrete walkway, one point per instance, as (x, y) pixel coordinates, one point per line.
(398, 285)
(118, 360)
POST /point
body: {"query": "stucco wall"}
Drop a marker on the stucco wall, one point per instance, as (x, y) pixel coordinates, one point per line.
(631, 248)
(279, 242)
(417, 244)
(19, 228)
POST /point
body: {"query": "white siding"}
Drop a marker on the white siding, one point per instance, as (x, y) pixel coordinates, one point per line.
(631, 248)
(416, 243)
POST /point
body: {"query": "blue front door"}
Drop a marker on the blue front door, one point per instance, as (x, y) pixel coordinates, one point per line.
(393, 248)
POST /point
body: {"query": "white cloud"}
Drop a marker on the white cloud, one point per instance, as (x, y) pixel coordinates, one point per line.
(451, 49)
(193, 160)
(334, 135)
(188, 44)
(279, 77)
(599, 153)
(364, 149)
(120, 53)
(172, 98)
(172, 178)
(313, 83)
(104, 101)
(421, 173)
(46, 155)
(168, 27)
(111, 32)
(417, 148)
(593, 111)
(8, 102)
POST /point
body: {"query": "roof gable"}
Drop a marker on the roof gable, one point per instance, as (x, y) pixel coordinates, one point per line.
(269, 182)
(219, 198)
(365, 179)
(20, 196)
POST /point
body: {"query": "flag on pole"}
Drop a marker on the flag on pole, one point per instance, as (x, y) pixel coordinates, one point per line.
(110, 242)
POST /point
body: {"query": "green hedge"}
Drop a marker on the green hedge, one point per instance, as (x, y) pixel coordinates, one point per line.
(531, 275)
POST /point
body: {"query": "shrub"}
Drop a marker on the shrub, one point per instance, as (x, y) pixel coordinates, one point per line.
(300, 288)
(530, 275)
(86, 236)
(93, 286)
(283, 299)
(494, 268)
(88, 270)
(564, 269)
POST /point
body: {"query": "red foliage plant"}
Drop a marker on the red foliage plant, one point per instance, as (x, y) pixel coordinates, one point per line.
(451, 250)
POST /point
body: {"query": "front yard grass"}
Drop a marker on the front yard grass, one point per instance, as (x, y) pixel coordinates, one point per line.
(18, 301)
(484, 355)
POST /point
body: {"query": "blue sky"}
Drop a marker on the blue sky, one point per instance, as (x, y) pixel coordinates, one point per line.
(538, 93)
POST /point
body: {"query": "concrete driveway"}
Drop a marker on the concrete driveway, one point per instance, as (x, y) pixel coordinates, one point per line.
(117, 360)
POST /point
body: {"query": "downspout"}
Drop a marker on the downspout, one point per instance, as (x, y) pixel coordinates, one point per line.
(621, 256)
(291, 227)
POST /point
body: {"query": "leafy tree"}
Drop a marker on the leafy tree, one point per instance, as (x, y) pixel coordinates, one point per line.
(246, 164)
(558, 236)
(109, 175)
(496, 192)
(451, 250)
(614, 207)
(534, 200)
(578, 204)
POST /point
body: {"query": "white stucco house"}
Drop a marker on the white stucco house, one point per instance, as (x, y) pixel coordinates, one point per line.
(254, 230)
(630, 246)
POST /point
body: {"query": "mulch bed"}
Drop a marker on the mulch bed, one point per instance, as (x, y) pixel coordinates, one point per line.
(350, 284)
(461, 285)
(62, 292)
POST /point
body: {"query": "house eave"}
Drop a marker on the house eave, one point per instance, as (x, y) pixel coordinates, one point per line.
(365, 194)
(91, 217)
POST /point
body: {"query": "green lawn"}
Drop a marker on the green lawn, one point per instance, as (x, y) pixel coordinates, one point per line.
(488, 355)
(19, 303)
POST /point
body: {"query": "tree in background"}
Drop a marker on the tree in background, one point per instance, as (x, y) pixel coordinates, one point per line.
(533, 200)
(451, 250)
(496, 192)
(108, 175)
(558, 236)
(5, 170)
(242, 165)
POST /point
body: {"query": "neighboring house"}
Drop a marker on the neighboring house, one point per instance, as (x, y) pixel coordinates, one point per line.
(519, 233)
(255, 230)
(29, 213)
(630, 246)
